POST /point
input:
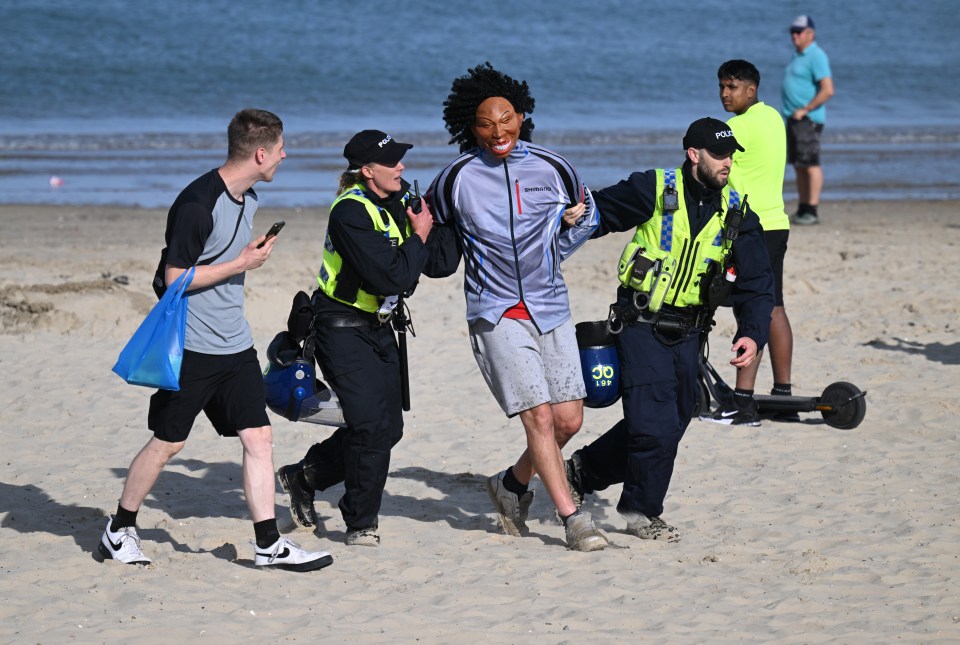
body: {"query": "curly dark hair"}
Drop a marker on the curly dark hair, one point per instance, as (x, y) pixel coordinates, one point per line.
(475, 87)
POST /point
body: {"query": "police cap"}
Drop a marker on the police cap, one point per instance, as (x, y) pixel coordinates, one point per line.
(712, 134)
(374, 146)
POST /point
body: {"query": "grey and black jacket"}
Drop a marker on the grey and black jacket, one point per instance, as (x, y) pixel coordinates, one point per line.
(508, 215)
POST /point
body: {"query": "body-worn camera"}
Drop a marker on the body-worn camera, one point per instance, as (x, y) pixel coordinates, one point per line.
(671, 201)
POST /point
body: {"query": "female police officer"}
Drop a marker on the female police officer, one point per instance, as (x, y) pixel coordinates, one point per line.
(374, 251)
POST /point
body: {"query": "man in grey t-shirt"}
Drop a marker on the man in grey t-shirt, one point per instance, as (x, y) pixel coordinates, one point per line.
(209, 227)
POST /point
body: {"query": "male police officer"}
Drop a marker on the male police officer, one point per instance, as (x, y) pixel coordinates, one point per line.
(687, 231)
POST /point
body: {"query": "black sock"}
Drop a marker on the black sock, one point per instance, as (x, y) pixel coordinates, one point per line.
(267, 532)
(123, 519)
(742, 398)
(782, 389)
(803, 208)
(812, 209)
(512, 484)
(573, 514)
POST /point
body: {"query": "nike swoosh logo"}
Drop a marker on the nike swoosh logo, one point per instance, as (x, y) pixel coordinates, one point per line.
(728, 413)
(280, 556)
(114, 545)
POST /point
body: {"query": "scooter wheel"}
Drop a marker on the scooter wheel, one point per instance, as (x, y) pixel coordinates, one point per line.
(847, 405)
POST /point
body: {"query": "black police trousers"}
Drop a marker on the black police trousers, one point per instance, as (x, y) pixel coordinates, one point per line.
(362, 365)
(659, 382)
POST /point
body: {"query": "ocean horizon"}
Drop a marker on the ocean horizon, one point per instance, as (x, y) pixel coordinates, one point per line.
(107, 104)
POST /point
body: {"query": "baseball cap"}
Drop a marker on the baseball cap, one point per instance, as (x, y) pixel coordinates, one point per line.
(800, 23)
(712, 134)
(374, 146)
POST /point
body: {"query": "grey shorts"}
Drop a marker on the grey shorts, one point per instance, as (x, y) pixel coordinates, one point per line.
(525, 369)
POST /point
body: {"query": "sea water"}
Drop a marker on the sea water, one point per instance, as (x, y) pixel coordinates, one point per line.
(117, 102)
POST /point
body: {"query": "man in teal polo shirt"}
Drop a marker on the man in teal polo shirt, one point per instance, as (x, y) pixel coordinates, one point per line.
(807, 86)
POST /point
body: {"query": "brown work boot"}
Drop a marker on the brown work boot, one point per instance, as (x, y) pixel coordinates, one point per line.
(651, 528)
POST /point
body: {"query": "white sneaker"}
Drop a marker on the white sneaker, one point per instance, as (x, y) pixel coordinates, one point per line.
(124, 545)
(583, 535)
(285, 554)
(512, 509)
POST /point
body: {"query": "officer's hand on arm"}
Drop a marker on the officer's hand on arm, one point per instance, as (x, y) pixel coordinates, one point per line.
(574, 213)
(421, 222)
(746, 352)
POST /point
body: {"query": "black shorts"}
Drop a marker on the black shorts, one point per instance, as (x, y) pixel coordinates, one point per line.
(803, 142)
(777, 248)
(227, 388)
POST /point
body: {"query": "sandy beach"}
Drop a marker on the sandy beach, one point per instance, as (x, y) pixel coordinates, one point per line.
(792, 533)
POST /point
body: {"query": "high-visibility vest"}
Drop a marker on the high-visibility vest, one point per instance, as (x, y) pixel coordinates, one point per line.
(665, 237)
(332, 272)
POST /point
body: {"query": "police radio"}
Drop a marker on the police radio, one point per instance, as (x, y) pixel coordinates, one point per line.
(416, 204)
(734, 220)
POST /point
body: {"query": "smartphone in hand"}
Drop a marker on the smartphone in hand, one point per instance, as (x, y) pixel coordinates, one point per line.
(271, 233)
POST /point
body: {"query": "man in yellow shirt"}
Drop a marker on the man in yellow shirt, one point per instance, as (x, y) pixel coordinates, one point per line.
(758, 174)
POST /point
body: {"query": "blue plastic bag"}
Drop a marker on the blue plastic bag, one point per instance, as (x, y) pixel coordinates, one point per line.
(153, 355)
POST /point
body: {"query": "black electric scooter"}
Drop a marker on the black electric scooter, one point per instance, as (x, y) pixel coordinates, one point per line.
(841, 404)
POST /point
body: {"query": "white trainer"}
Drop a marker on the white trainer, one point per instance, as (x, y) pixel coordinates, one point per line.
(286, 554)
(512, 509)
(123, 545)
(582, 533)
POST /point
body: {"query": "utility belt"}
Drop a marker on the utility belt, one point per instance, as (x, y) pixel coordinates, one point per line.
(359, 319)
(350, 318)
(398, 316)
(672, 324)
